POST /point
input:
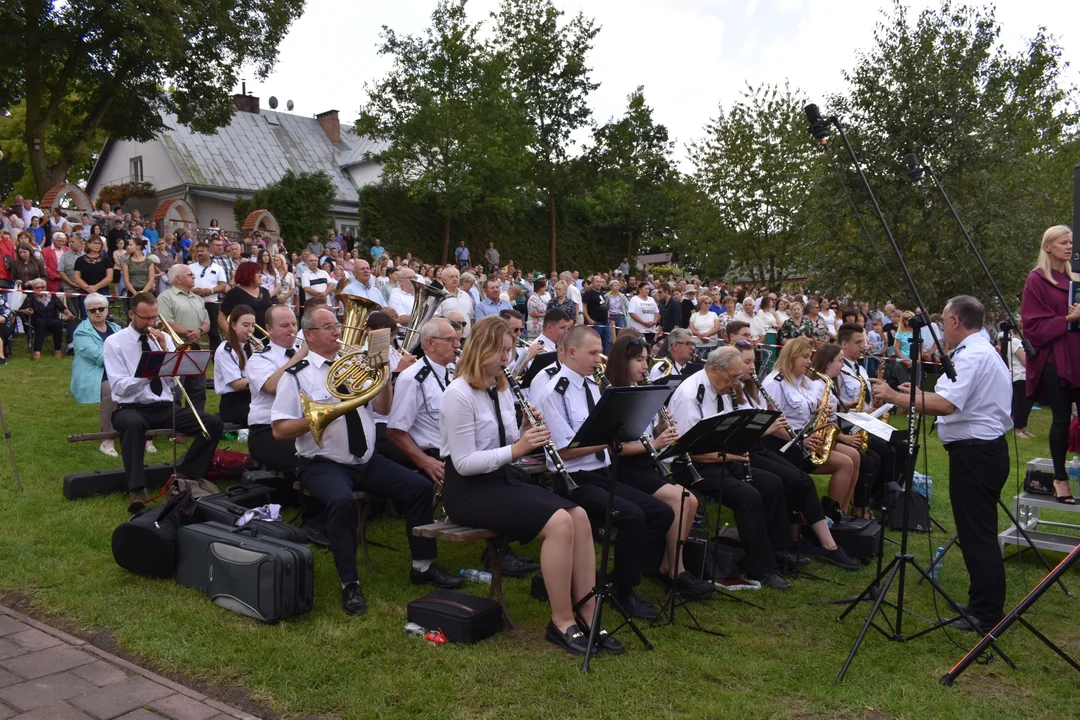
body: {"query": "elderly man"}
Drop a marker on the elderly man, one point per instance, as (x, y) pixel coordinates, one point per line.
(403, 296)
(456, 298)
(680, 350)
(468, 284)
(66, 271)
(185, 312)
(363, 284)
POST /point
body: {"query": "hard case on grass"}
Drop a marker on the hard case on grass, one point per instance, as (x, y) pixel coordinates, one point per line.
(81, 485)
(146, 544)
(858, 537)
(463, 618)
(918, 514)
(227, 507)
(262, 577)
(709, 560)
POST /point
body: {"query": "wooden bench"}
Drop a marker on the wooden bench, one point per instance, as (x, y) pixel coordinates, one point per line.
(363, 502)
(154, 432)
(452, 532)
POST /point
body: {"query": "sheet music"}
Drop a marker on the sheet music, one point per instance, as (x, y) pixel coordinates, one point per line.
(869, 423)
(882, 410)
(378, 347)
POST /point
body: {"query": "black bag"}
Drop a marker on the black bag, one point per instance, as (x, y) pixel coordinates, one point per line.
(918, 509)
(859, 537)
(227, 507)
(283, 493)
(708, 560)
(146, 544)
(81, 485)
(1039, 478)
(245, 571)
(462, 618)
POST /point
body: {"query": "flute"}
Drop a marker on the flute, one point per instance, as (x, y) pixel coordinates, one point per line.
(550, 450)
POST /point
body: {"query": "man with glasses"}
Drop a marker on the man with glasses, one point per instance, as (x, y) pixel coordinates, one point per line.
(148, 403)
(346, 461)
(185, 312)
(680, 350)
(210, 281)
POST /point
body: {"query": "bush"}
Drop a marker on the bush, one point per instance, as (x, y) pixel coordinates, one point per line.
(122, 192)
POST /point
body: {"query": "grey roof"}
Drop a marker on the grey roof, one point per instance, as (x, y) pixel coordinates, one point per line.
(256, 150)
(353, 148)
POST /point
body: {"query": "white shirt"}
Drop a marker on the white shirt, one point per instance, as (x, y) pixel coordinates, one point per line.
(982, 393)
(417, 402)
(849, 386)
(319, 279)
(645, 309)
(401, 301)
(704, 323)
(209, 277)
(565, 413)
(657, 371)
(574, 293)
(368, 292)
(311, 380)
(260, 366)
(123, 350)
(468, 432)
(686, 409)
(392, 361)
(226, 369)
(755, 321)
(1019, 372)
(462, 303)
(797, 400)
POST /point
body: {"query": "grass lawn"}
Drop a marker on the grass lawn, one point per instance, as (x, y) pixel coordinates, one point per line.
(774, 663)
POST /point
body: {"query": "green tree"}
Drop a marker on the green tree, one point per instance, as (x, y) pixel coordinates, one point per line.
(548, 72)
(104, 64)
(754, 165)
(451, 127)
(298, 202)
(1000, 130)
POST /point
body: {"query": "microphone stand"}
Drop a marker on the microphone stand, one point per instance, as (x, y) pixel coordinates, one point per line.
(1008, 325)
(897, 567)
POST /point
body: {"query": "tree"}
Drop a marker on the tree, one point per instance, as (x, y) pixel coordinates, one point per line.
(105, 65)
(1000, 130)
(452, 128)
(547, 70)
(754, 165)
(298, 203)
(633, 188)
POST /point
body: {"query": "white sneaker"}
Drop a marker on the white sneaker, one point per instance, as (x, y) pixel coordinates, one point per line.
(150, 447)
(107, 448)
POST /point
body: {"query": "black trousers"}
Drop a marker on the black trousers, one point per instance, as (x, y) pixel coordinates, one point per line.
(1021, 404)
(386, 447)
(212, 310)
(1061, 400)
(800, 493)
(133, 420)
(196, 390)
(890, 458)
(761, 514)
(869, 465)
(44, 326)
(640, 519)
(333, 484)
(977, 473)
(266, 450)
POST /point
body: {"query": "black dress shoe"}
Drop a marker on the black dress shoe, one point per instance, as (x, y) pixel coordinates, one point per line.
(605, 643)
(512, 565)
(572, 641)
(774, 581)
(352, 600)
(436, 576)
(791, 560)
(692, 587)
(635, 607)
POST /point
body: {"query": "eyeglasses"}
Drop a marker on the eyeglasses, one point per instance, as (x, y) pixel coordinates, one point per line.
(457, 325)
(450, 339)
(98, 310)
(148, 318)
(330, 327)
(636, 340)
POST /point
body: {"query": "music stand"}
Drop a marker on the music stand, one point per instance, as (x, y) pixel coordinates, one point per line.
(539, 362)
(619, 416)
(173, 364)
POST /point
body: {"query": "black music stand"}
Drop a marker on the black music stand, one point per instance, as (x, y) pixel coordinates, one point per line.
(173, 364)
(618, 417)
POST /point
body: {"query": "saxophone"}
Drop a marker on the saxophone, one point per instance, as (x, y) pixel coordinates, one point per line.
(878, 403)
(827, 433)
(860, 406)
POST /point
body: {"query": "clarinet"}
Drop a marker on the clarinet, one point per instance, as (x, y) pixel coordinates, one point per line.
(550, 450)
(769, 402)
(669, 420)
(735, 406)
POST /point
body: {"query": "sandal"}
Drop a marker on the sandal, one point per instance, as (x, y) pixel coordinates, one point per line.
(1064, 499)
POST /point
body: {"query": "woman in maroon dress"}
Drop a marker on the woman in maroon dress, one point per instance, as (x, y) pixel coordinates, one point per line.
(1053, 374)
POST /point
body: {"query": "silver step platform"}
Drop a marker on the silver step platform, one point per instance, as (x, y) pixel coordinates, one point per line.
(1026, 507)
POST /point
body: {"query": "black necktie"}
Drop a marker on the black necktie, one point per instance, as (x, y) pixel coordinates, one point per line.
(155, 383)
(355, 428)
(493, 393)
(289, 353)
(592, 406)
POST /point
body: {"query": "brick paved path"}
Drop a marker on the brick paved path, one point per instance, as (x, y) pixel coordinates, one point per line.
(49, 675)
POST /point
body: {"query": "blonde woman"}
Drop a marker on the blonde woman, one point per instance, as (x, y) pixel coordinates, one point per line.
(902, 344)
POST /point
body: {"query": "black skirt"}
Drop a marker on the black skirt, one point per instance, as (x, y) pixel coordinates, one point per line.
(503, 501)
(234, 407)
(639, 472)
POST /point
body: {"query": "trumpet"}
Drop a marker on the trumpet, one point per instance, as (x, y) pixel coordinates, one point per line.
(550, 450)
(257, 345)
(162, 325)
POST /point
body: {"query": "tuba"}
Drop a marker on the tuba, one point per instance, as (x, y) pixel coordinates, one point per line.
(350, 378)
(828, 432)
(426, 300)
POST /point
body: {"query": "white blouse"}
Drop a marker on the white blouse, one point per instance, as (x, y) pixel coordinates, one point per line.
(797, 401)
(468, 432)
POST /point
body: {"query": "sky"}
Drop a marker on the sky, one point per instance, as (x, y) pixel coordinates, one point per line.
(691, 56)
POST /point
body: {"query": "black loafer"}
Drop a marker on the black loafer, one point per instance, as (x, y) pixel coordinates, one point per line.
(352, 600)
(692, 587)
(605, 643)
(572, 641)
(774, 581)
(436, 576)
(791, 560)
(637, 608)
(512, 565)
(837, 557)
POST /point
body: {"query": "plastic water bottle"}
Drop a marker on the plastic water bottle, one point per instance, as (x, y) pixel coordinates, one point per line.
(923, 484)
(414, 629)
(1074, 468)
(242, 435)
(935, 566)
(477, 575)
(435, 637)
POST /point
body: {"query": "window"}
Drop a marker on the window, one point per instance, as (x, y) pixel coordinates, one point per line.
(348, 229)
(136, 169)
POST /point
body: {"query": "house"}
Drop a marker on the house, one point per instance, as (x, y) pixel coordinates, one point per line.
(197, 177)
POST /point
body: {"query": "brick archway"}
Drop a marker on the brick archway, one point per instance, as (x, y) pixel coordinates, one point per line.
(263, 221)
(175, 215)
(66, 191)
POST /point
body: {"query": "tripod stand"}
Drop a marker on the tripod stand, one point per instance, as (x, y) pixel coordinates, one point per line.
(11, 450)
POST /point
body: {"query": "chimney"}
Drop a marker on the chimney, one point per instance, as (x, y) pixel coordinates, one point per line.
(246, 103)
(330, 125)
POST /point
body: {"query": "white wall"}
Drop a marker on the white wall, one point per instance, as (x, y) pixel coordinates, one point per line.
(366, 173)
(208, 209)
(157, 168)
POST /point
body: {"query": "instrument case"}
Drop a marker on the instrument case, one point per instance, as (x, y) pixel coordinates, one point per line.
(462, 618)
(227, 507)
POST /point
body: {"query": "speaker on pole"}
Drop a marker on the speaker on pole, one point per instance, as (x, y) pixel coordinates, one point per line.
(1076, 217)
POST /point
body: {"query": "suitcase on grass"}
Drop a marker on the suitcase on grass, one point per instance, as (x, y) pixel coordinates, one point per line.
(81, 485)
(227, 507)
(462, 618)
(245, 571)
(858, 537)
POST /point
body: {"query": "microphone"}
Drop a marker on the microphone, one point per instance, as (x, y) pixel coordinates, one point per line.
(819, 127)
(914, 170)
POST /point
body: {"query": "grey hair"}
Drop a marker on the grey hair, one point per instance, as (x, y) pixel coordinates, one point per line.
(467, 277)
(95, 300)
(432, 328)
(60, 235)
(724, 358)
(678, 335)
(175, 270)
(968, 310)
(308, 321)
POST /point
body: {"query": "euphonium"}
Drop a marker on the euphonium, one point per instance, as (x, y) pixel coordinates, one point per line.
(426, 300)
(827, 432)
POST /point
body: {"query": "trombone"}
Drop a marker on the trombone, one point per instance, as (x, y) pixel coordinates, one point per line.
(181, 345)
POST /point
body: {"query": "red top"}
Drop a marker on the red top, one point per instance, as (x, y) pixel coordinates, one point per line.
(52, 274)
(1043, 309)
(7, 250)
